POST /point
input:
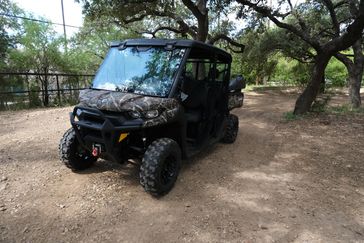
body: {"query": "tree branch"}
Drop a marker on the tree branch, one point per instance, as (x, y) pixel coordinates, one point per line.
(183, 26)
(154, 32)
(228, 47)
(227, 39)
(344, 59)
(302, 60)
(339, 4)
(353, 32)
(352, 7)
(294, 13)
(267, 12)
(134, 19)
(330, 6)
(193, 8)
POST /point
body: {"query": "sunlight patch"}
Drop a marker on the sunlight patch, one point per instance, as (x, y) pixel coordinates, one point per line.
(261, 176)
(250, 201)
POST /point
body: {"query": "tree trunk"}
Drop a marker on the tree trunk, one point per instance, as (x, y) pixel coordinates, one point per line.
(305, 100)
(203, 29)
(355, 76)
(202, 21)
(257, 80)
(322, 84)
(41, 87)
(355, 72)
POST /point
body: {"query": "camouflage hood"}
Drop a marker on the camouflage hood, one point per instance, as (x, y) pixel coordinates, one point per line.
(119, 101)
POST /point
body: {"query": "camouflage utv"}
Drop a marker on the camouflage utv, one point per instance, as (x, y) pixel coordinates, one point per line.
(156, 101)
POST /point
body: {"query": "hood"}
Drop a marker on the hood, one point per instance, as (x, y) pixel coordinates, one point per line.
(119, 101)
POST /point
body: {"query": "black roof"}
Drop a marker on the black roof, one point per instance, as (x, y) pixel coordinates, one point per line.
(221, 54)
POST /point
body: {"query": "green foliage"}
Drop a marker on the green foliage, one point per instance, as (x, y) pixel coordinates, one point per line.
(289, 116)
(40, 49)
(282, 59)
(255, 63)
(272, 55)
(144, 15)
(345, 109)
(336, 73)
(89, 46)
(320, 104)
(34, 100)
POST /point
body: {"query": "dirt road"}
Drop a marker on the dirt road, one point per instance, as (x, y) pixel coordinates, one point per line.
(297, 181)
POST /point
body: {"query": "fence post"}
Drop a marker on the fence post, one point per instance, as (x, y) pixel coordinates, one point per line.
(58, 91)
(28, 87)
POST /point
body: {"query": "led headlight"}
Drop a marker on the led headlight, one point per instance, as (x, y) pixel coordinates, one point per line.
(135, 114)
(151, 114)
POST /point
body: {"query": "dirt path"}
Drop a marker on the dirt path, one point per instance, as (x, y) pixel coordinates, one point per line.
(298, 181)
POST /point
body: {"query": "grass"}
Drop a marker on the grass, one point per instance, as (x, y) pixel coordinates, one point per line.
(344, 109)
(290, 116)
(321, 104)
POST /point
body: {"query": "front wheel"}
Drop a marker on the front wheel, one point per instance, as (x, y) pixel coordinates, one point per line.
(160, 166)
(231, 130)
(72, 154)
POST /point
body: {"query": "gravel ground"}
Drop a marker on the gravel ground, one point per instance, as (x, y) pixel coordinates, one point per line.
(281, 181)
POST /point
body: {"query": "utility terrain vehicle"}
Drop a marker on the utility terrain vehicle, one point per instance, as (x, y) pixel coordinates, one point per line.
(156, 100)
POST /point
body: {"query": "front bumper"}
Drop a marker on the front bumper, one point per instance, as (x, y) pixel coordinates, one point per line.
(93, 126)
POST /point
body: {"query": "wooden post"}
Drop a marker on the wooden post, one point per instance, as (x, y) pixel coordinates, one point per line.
(58, 91)
(28, 87)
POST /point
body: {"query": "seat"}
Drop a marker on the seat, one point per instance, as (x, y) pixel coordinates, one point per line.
(196, 96)
(193, 115)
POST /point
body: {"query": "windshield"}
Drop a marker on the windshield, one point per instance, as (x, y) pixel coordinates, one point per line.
(140, 70)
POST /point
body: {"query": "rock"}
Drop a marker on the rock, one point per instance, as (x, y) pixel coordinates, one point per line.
(3, 187)
(263, 227)
(2, 208)
(61, 206)
(325, 122)
(25, 229)
(4, 178)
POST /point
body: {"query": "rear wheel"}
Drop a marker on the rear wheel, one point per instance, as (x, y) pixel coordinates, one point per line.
(72, 154)
(231, 130)
(160, 166)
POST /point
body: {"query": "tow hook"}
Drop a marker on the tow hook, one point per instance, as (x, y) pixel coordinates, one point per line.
(96, 150)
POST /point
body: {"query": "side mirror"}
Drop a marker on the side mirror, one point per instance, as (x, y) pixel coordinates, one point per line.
(237, 84)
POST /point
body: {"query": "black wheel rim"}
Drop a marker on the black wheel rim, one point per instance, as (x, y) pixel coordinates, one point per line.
(169, 170)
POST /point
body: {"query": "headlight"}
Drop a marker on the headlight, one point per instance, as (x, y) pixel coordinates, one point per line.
(78, 112)
(151, 114)
(135, 114)
(78, 115)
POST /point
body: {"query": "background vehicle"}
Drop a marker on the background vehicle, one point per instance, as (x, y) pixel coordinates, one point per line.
(156, 100)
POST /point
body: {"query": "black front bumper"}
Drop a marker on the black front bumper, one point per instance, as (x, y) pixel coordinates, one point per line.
(93, 126)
